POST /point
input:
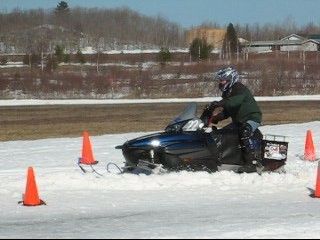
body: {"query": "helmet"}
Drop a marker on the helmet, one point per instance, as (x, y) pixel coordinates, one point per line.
(229, 74)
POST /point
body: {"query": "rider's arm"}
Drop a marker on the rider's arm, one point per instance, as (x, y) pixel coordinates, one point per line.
(219, 114)
(237, 96)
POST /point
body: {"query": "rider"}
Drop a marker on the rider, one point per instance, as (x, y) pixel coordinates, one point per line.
(239, 104)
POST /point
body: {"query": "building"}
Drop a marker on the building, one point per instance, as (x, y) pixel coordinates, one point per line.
(213, 36)
(290, 43)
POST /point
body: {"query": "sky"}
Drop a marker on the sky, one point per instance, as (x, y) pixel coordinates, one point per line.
(192, 13)
(178, 205)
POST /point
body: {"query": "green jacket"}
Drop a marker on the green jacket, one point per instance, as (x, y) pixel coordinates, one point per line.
(239, 104)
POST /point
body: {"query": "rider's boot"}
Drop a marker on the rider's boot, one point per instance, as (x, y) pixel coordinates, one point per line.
(248, 166)
(247, 151)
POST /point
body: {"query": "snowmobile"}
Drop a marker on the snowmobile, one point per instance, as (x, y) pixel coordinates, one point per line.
(189, 143)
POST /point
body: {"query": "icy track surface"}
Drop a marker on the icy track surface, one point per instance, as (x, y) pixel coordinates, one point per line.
(176, 205)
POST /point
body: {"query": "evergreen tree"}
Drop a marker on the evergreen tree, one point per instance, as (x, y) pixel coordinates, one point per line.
(200, 49)
(80, 57)
(59, 53)
(62, 7)
(164, 56)
(230, 44)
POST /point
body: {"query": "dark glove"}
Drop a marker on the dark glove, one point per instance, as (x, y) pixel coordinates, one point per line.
(217, 104)
(218, 116)
(206, 115)
(217, 111)
(215, 120)
(213, 105)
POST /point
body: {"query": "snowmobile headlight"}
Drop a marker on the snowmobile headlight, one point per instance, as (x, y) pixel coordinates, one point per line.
(155, 143)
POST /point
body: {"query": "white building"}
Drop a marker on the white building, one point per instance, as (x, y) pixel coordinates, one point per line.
(290, 43)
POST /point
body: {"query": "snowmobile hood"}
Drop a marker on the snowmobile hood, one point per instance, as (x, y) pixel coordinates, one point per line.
(177, 131)
(162, 139)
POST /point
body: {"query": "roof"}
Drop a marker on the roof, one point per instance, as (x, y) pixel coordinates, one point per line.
(291, 36)
(277, 42)
(284, 41)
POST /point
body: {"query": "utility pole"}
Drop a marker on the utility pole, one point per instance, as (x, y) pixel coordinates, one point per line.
(42, 58)
(304, 61)
(237, 51)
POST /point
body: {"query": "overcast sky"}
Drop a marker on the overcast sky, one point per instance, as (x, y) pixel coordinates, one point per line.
(188, 13)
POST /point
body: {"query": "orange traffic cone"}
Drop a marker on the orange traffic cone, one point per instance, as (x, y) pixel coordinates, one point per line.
(87, 154)
(31, 197)
(316, 194)
(310, 153)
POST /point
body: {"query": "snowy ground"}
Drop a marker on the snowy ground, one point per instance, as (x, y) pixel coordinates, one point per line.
(175, 205)
(35, 102)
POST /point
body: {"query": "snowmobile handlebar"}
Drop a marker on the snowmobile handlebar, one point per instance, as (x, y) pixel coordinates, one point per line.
(208, 114)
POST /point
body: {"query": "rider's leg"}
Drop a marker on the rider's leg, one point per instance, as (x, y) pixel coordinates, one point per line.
(245, 132)
(254, 125)
(231, 126)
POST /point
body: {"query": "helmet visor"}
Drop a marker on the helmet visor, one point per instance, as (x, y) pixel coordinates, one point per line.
(223, 85)
(224, 78)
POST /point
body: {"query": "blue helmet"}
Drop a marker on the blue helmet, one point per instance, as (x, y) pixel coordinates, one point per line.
(229, 74)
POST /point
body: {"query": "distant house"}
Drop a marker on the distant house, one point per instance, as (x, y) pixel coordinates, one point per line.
(290, 43)
(213, 36)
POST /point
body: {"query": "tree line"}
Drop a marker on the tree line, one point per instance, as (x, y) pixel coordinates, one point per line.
(38, 30)
(46, 38)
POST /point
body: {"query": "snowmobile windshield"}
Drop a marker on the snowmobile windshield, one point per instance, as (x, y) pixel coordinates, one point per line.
(188, 114)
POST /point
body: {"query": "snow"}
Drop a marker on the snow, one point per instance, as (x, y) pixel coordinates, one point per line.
(176, 205)
(36, 102)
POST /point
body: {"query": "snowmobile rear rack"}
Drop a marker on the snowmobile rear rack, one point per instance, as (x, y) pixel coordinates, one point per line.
(272, 137)
(274, 151)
